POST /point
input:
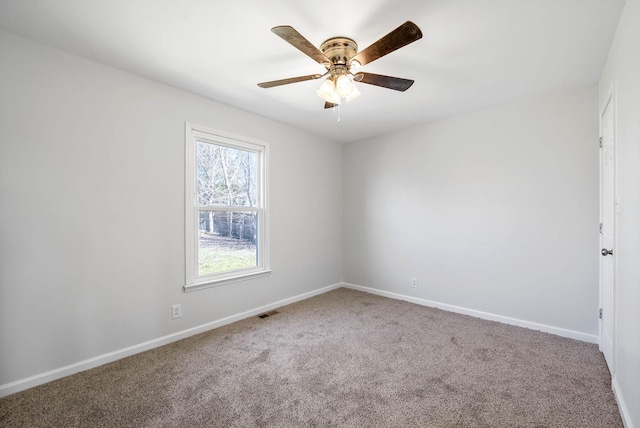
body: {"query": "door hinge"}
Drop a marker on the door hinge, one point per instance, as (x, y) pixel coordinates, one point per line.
(600, 313)
(600, 142)
(600, 228)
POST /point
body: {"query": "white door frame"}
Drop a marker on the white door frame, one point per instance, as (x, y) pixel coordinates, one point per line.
(609, 102)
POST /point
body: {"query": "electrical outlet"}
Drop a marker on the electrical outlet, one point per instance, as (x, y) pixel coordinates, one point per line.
(414, 282)
(176, 311)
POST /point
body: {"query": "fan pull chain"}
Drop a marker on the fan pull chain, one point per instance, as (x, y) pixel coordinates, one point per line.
(337, 111)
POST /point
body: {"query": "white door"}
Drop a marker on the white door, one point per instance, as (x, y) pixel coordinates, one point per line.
(607, 218)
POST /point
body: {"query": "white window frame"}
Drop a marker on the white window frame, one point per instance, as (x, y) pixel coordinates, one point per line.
(193, 134)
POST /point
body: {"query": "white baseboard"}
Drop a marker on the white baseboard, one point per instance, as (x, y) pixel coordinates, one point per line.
(42, 378)
(585, 337)
(622, 406)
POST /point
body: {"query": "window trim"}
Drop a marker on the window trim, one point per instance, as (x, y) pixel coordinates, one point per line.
(193, 281)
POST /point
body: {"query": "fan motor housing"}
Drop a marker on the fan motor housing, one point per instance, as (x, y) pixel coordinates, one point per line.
(339, 50)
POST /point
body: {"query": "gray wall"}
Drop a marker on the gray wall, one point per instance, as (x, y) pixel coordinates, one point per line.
(92, 210)
(495, 211)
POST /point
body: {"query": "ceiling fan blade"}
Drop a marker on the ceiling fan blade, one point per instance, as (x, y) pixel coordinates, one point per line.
(401, 36)
(289, 80)
(394, 83)
(329, 105)
(291, 36)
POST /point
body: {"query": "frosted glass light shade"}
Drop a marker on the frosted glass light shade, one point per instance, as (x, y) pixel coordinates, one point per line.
(344, 85)
(355, 93)
(328, 93)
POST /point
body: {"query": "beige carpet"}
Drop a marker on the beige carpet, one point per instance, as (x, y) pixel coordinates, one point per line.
(344, 358)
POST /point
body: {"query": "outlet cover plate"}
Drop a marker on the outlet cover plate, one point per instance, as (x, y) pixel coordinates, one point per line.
(176, 312)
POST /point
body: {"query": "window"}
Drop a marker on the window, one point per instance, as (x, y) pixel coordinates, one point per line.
(226, 218)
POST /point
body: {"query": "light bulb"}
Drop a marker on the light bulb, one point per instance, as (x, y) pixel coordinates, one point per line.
(344, 85)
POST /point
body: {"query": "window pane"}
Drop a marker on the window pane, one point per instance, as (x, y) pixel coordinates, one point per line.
(226, 176)
(226, 241)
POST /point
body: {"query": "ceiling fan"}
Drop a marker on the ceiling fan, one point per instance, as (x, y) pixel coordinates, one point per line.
(340, 57)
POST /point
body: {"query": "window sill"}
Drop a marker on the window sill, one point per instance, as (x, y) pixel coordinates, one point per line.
(218, 282)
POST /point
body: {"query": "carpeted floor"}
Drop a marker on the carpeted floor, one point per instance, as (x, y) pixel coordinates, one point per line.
(344, 358)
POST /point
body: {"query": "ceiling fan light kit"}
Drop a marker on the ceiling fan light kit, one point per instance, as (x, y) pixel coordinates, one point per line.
(334, 89)
(340, 57)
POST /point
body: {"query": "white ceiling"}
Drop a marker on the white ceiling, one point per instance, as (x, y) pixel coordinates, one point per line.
(474, 53)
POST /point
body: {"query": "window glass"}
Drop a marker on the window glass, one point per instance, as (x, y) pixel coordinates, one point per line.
(226, 176)
(227, 240)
